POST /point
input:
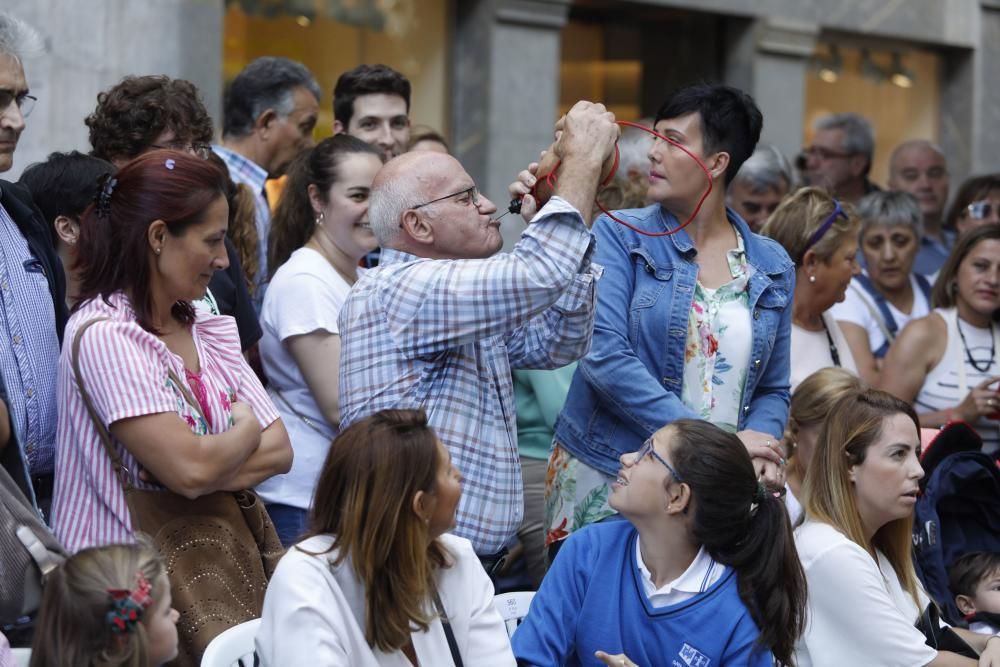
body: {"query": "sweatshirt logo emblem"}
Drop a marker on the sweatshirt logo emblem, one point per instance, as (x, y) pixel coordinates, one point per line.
(693, 657)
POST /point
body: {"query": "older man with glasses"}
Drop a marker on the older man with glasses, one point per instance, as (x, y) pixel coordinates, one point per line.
(442, 320)
(32, 293)
(840, 156)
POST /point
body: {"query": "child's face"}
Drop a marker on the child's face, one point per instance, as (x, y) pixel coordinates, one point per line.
(161, 627)
(987, 597)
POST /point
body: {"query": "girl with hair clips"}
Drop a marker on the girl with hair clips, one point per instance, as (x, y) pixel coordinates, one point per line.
(319, 233)
(855, 545)
(183, 407)
(704, 572)
(946, 363)
(810, 405)
(109, 607)
(377, 582)
(821, 236)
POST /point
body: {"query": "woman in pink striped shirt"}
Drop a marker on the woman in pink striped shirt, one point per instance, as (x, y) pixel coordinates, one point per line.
(148, 247)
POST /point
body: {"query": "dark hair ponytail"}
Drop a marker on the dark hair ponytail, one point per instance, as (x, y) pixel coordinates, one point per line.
(745, 527)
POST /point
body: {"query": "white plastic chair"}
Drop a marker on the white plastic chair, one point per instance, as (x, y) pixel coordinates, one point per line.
(234, 647)
(513, 607)
(22, 656)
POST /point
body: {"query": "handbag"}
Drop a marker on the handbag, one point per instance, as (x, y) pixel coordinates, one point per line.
(942, 638)
(28, 552)
(219, 549)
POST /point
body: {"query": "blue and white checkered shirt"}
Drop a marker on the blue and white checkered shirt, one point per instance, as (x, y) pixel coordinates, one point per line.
(444, 334)
(248, 172)
(29, 348)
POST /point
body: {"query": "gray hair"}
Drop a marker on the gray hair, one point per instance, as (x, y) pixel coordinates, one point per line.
(387, 203)
(18, 39)
(765, 170)
(914, 143)
(859, 137)
(633, 148)
(266, 83)
(889, 209)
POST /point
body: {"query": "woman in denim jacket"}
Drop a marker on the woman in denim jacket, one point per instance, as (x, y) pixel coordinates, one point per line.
(691, 325)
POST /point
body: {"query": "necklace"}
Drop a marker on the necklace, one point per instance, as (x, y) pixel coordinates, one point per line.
(968, 353)
(318, 247)
(834, 352)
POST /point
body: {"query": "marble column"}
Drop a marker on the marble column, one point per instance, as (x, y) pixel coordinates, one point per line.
(769, 58)
(91, 45)
(505, 83)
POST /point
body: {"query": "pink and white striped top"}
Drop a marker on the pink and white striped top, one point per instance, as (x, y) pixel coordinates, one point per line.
(125, 370)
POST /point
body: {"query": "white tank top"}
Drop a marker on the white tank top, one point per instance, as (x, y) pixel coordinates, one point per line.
(953, 377)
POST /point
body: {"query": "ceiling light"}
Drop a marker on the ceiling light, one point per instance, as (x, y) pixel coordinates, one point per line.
(900, 75)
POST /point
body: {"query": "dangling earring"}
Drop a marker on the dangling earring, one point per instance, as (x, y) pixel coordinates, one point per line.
(812, 279)
(319, 219)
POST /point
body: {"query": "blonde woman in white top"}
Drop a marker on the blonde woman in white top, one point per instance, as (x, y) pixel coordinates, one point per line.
(946, 364)
(821, 236)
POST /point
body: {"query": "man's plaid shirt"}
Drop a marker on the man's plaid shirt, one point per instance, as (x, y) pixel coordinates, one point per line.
(444, 334)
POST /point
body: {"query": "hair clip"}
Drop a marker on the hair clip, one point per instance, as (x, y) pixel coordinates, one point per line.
(760, 495)
(106, 186)
(127, 606)
(169, 164)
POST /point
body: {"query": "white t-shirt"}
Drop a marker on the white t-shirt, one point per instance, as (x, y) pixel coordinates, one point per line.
(858, 307)
(314, 614)
(859, 613)
(811, 351)
(305, 295)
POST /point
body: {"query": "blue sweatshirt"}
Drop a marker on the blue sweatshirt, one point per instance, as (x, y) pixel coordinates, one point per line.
(592, 599)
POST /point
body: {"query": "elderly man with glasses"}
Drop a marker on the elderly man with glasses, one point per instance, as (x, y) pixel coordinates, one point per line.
(442, 320)
(840, 156)
(32, 293)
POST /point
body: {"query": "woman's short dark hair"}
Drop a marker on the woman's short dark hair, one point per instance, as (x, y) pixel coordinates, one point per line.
(730, 120)
(133, 113)
(972, 189)
(113, 255)
(64, 185)
(745, 527)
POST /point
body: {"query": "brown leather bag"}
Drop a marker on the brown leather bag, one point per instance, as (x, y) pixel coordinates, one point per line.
(220, 549)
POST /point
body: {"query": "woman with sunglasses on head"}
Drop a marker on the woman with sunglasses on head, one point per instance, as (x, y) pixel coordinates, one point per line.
(821, 236)
(704, 570)
(860, 490)
(377, 582)
(948, 363)
(976, 203)
(694, 324)
(319, 233)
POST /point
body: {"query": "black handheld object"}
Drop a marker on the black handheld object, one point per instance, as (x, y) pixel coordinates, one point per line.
(514, 206)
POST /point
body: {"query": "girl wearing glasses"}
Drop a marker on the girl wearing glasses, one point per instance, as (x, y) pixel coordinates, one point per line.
(704, 572)
(946, 363)
(821, 236)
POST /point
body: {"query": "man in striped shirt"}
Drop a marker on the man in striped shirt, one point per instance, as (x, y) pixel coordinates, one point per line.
(32, 293)
(442, 319)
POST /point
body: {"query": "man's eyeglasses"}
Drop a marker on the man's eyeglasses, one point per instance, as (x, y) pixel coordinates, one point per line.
(201, 150)
(471, 194)
(24, 102)
(647, 449)
(825, 153)
(981, 210)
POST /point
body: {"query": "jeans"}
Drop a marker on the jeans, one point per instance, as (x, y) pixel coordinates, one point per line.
(289, 522)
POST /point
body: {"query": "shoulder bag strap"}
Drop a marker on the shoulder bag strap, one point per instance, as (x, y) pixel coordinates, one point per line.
(99, 426)
(888, 323)
(448, 633)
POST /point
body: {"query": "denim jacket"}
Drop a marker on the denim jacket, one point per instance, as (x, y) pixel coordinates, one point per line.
(629, 385)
